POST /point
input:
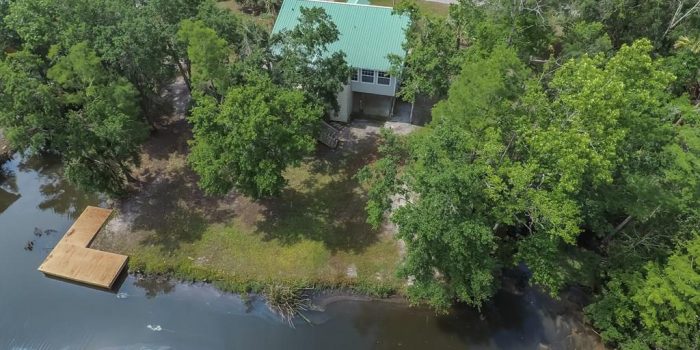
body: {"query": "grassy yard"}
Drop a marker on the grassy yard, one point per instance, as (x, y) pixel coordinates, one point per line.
(265, 19)
(268, 20)
(428, 7)
(314, 234)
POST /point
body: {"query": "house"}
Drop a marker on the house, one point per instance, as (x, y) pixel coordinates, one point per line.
(368, 34)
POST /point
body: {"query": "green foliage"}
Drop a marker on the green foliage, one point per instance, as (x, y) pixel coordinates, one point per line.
(450, 247)
(432, 59)
(627, 20)
(222, 21)
(208, 55)
(137, 41)
(29, 107)
(685, 65)
(586, 38)
(302, 60)
(658, 307)
(248, 140)
(512, 162)
(8, 37)
(81, 112)
(381, 176)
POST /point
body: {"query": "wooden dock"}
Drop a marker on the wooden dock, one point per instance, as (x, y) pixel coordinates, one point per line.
(72, 259)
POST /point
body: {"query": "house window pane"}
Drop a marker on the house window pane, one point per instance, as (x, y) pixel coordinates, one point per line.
(383, 78)
(353, 76)
(367, 76)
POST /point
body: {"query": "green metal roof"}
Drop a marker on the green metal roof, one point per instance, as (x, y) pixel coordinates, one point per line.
(367, 33)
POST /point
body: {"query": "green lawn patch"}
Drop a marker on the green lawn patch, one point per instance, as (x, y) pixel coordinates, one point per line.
(314, 234)
(428, 7)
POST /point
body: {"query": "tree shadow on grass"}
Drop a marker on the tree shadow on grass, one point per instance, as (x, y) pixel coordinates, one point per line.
(174, 211)
(325, 204)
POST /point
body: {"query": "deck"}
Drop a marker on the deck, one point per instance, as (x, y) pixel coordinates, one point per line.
(72, 259)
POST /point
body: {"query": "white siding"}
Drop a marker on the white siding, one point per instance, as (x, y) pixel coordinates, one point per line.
(345, 104)
(374, 87)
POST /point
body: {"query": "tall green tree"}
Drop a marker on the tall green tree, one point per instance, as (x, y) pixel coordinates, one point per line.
(451, 247)
(433, 55)
(251, 137)
(29, 106)
(208, 56)
(79, 111)
(302, 59)
(515, 168)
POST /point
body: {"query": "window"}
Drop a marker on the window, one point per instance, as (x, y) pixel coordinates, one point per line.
(383, 78)
(367, 76)
(353, 76)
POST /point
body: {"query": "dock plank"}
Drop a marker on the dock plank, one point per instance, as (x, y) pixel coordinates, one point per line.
(86, 227)
(72, 259)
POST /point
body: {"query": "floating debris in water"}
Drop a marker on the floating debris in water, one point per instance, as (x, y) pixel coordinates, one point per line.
(156, 328)
(29, 246)
(122, 295)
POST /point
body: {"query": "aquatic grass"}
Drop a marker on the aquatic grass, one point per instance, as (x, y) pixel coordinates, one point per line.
(287, 301)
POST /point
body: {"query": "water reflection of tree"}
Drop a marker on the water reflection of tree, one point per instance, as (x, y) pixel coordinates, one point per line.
(58, 194)
(154, 285)
(6, 199)
(8, 188)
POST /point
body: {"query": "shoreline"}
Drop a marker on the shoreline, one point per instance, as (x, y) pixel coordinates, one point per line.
(5, 151)
(567, 320)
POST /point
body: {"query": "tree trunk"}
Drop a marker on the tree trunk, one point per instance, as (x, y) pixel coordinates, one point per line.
(617, 229)
(184, 71)
(185, 76)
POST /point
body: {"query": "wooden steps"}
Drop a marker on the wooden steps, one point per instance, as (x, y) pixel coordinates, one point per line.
(328, 135)
(71, 259)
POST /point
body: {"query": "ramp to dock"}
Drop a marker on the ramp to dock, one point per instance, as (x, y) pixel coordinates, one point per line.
(71, 259)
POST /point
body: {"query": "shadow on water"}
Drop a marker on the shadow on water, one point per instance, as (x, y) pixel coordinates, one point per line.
(118, 282)
(325, 202)
(509, 321)
(58, 194)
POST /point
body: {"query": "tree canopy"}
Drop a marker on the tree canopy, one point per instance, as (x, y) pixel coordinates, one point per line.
(248, 140)
(302, 59)
(514, 169)
(257, 111)
(76, 109)
(565, 142)
(81, 78)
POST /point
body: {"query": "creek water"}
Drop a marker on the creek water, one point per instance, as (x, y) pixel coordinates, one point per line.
(36, 312)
